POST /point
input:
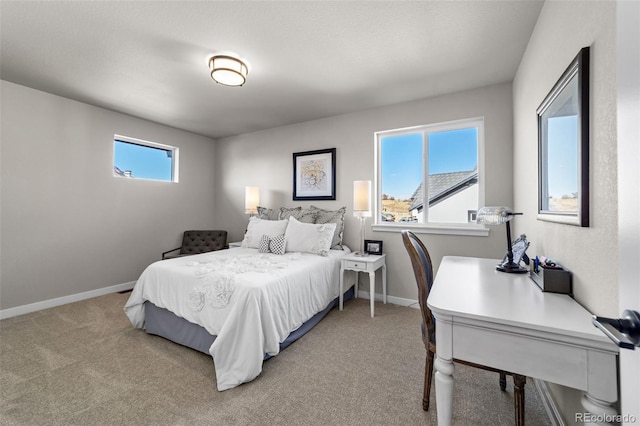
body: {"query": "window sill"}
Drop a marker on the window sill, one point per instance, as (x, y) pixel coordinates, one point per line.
(470, 230)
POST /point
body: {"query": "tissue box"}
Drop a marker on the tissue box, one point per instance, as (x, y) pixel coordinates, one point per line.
(553, 279)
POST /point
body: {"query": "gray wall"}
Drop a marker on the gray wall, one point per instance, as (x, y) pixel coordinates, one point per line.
(67, 225)
(563, 28)
(264, 159)
(590, 253)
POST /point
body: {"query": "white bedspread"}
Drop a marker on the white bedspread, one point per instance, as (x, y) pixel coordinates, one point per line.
(250, 301)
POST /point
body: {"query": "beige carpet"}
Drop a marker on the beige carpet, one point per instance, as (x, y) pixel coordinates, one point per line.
(83, 363)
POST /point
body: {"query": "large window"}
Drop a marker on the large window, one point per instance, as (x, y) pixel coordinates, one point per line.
(138, 159)
(429, 175)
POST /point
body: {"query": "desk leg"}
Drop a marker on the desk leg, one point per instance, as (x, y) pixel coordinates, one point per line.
(384, 283)
(444, 390)
(372, 290)
(341, 286)
(598, 408)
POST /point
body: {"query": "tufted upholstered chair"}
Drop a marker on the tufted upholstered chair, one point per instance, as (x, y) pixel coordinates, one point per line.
(195, 242)
(423, 271)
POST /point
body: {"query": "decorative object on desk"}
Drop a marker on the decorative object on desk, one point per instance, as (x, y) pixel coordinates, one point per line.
(362, 209)
(551, 277)
(498, 216)
(251, 200)
(373, 246)
(563, 147)
(314, 175)
(519, 247)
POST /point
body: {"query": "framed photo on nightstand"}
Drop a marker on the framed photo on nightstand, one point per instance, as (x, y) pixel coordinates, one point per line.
(373, 246)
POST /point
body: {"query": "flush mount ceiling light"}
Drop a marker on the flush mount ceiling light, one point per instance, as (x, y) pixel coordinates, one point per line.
(228, 70)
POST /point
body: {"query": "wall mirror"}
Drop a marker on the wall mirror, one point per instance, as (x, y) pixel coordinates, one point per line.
(563, 147)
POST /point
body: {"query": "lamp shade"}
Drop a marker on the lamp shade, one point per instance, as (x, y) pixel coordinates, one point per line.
(362, 198)
(228, 70)
(251, 199)
(494, 215)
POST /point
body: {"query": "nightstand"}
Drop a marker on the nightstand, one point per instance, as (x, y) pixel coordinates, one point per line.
(369, 264)
(235, 244)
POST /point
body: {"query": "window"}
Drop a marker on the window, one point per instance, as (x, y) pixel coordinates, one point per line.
(138, 159)
(429, 176)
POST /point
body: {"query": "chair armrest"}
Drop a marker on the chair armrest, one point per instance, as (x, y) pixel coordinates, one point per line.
(166, 252)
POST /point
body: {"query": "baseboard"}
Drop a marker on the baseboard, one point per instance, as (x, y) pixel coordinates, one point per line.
(391, 299)
(550, 405)
(45, 304)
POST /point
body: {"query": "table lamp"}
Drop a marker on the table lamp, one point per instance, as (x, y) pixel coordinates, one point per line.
(362, 207)
(251, 200)
(498, 216)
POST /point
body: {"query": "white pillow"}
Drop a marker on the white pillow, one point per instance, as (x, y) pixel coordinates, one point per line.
(309, 237)
(259, 227)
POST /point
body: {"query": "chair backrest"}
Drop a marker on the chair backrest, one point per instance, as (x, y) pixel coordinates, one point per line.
(423, 271)
(194, 242)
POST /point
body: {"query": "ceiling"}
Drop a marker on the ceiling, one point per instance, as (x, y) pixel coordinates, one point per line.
(307, 59)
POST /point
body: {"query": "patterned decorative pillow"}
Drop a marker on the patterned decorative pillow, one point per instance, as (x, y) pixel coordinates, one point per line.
(275, 245)
(267, 214)
(287, 212)
(332, 216)
(307, 216)
(263, 246)
(309, 237)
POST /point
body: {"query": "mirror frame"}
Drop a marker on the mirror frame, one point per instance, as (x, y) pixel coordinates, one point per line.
(579, 69)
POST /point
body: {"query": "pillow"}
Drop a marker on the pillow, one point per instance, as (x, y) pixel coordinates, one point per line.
(273, 245)
(309, 237)
(303, 215)
(332, 216)
(259, 227)
(268, 214)
(307, 216)
(286, 212)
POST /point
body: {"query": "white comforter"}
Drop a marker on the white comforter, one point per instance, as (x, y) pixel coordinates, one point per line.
(250, 301)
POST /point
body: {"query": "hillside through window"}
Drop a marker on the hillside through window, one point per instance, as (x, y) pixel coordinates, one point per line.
(429, 174)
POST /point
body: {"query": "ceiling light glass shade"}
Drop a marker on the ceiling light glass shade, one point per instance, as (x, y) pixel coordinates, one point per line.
(228, 70)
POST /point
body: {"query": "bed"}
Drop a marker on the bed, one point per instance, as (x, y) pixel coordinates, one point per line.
(240, 305)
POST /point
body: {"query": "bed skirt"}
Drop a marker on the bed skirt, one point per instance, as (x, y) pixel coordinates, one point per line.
(164, 323)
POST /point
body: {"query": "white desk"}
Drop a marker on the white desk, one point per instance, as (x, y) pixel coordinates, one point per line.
(370, 264)
(504, 321)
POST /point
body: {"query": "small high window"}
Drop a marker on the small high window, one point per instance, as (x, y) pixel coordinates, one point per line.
(138, 159)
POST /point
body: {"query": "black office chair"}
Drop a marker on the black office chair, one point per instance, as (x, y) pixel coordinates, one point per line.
(196, 242)
(423, 270)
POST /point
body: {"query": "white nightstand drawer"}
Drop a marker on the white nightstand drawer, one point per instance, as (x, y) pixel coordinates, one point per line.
(356, 265)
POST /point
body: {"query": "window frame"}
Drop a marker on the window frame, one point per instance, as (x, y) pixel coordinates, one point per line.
(471, 229)
(175, 156)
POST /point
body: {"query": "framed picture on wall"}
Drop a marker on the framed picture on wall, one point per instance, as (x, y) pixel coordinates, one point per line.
(314, 175)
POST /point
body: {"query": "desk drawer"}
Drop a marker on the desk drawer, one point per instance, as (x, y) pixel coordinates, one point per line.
(354, 264)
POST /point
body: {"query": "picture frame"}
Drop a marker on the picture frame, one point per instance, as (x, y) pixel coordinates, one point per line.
(373, 246)
(314, 175)
(563, 147)
(519, 248)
